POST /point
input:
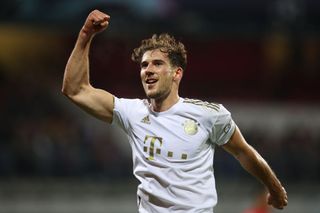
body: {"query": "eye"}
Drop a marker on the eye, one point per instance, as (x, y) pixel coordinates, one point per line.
(143, 65)
(158, 63)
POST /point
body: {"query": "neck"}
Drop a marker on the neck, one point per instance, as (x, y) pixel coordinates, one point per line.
(160, 105)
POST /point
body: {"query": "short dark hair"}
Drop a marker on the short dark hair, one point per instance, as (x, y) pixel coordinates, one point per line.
(176, 51)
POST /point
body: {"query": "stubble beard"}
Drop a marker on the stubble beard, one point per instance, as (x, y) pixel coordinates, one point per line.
(158, 94)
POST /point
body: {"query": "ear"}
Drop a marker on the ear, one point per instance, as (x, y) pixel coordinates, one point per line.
(178, 74)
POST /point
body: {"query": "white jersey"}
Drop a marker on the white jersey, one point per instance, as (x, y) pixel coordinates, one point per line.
(173, 152)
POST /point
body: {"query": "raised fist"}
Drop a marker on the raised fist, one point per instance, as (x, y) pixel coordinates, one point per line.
(96, 22)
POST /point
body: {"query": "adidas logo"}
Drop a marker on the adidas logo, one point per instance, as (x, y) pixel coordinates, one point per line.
(146, 120)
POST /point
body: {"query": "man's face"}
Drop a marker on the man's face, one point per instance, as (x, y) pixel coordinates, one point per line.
(156, 74)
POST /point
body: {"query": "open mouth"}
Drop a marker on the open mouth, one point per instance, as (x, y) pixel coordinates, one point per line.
(151, 81)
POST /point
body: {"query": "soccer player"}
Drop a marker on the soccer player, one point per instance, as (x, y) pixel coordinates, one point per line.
(172, 138)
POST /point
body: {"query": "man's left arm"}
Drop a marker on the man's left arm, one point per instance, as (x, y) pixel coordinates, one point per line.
(252, 161)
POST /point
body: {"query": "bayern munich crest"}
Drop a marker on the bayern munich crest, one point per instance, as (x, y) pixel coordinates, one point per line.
(190, 127)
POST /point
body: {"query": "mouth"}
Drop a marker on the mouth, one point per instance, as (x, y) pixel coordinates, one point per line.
(151, 81)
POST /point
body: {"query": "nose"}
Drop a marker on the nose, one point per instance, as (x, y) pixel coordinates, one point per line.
(149, 70)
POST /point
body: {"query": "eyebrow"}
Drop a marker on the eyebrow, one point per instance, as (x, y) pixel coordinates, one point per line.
(153, 61)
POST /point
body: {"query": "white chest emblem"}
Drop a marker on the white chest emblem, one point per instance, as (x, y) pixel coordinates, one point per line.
(190, 127)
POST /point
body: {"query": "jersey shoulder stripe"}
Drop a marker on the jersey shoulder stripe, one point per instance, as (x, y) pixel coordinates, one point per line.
(198, 102)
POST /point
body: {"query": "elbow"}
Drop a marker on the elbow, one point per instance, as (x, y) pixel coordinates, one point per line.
(72, 92)
(246, 154)
(65, 91)
(251, 157)
(64, 88)
(68, 92)
(69, 88)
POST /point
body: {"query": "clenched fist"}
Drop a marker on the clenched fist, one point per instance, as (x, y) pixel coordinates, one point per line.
(278, 200)
(96, 22)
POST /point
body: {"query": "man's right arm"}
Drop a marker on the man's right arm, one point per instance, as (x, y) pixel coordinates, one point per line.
(76, 85)
(253, 162)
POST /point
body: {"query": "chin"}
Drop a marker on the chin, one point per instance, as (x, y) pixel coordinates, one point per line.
(153, 95)
(150, 93)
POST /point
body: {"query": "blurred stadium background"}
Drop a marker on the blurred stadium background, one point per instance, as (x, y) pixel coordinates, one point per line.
(259, 58)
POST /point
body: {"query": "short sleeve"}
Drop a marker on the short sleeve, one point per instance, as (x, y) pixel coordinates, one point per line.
(120, 113)
(223, 128)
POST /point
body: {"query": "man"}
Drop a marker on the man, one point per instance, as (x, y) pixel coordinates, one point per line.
(172, 138)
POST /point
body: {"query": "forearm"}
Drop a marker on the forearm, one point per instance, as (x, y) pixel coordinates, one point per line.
(76, 74)
(252, 161)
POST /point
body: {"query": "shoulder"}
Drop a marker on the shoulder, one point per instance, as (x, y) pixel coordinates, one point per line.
(126, 104)
(135, 101)
(201, 105)
(210, 111)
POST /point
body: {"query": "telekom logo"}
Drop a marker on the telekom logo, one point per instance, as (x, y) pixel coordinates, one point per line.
(153, 140)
